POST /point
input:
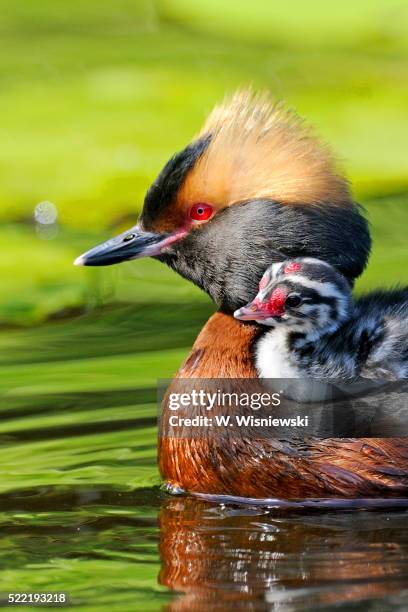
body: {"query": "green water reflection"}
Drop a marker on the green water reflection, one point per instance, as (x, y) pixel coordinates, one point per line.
(141, 550)
(81, 509)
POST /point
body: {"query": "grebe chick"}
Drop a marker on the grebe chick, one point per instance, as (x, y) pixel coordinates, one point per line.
(320, 332)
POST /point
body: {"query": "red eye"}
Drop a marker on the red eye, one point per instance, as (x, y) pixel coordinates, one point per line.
(201, 212)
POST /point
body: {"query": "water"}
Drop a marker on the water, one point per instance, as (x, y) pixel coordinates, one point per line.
(81, 509)
(107, 547)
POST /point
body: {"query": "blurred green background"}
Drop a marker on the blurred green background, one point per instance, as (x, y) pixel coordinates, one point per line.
(95, 96)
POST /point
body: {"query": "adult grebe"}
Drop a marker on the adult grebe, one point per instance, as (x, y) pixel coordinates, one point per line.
(255, 187)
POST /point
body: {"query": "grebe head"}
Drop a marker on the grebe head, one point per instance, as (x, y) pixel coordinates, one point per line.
(255, 187)
(304, 295)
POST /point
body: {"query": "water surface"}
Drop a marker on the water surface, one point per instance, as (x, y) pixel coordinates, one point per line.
(81, 508)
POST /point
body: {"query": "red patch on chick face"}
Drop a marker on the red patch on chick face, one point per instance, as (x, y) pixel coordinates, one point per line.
(275, 306)
(276, 303)
(294, 266)
(257, 305)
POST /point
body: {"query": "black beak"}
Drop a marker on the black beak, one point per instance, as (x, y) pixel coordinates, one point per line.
(130, 245)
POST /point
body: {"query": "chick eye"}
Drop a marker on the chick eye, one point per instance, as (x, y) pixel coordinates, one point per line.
(129, 237)
(201, 212)
(293, 300)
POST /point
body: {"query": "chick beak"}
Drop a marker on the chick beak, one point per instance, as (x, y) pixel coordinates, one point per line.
(133, 244)
(251, 312)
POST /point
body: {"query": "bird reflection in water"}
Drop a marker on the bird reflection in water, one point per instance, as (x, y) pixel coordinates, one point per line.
(230, 558)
